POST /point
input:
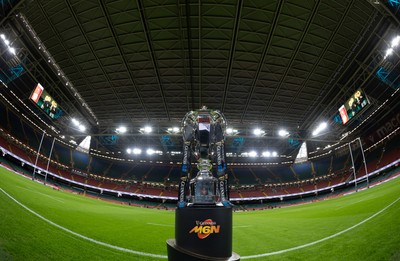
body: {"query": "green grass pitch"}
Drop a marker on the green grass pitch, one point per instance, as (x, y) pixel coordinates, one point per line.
(334, 229)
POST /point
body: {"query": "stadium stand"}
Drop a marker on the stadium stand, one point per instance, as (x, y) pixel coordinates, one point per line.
(161, 180)
(62, 154)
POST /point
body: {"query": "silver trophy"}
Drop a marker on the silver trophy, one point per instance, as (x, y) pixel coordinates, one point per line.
(204, 186)
(203, 136)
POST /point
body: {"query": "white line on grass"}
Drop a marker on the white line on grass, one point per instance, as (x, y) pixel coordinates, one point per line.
(82, 236)
(162, 256)
(160, 225)
(323, 239)
(59, 200)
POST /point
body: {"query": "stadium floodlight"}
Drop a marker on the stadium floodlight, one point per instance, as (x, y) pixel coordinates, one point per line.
(7, 43)
(266, 154)
(146, 129)
(129, 151)
(388, 52)
(258, 132)
(274, 154)
(150, 151)
(231, 131)
(82, 128)
(322, 126)
(12, 50)
(137, 151)
(75, 122)
(173, 130)
(121, 129)
(252, 154)
(395, 42)
(283, 133)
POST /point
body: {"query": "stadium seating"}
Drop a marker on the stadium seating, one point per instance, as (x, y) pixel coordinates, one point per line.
(62, 154)
(246, 181)
(120, 170)
(244, 176)
(4, 117)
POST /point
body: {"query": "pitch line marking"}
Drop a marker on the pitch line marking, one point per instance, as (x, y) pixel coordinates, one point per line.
(82, 236)
(164, 257)
(59, 200)
(322, 239)
(160, 225)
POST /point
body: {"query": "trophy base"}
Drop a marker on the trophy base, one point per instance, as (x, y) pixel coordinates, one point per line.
(201, 205)
(203, 232)
(176, 253)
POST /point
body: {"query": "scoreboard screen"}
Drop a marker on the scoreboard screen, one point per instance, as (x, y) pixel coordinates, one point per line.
(48, 105)
(353, 106)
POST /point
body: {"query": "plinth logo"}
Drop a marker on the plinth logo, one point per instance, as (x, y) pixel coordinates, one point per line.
(204, 228)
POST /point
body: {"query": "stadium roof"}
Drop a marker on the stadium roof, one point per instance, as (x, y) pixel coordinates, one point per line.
(266, 64)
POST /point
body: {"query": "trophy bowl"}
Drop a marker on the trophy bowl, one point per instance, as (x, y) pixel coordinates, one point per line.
(203, 187)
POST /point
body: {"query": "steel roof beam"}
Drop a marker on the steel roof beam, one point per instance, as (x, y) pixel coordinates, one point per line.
(125, 63)
(232, 53)
(181, 37)
(151, 51)
(295, 52)
(263, 55)
(69, 55)
(13, 10)
(95, 56)
(190, 50)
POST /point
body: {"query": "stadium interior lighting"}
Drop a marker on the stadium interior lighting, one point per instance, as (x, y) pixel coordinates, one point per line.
(146, 129)
(266, 154)
(258, 132)
(121, 129)
(283, 133)
(75, 122)
(393, 44)
(12, 50)
(150, 151)
(231, 131)
(82, 128)
(173, 130)
(389, 52)
(137, 151)
(252, 153)
(322, 126)
(7, 43)
(395, 41)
